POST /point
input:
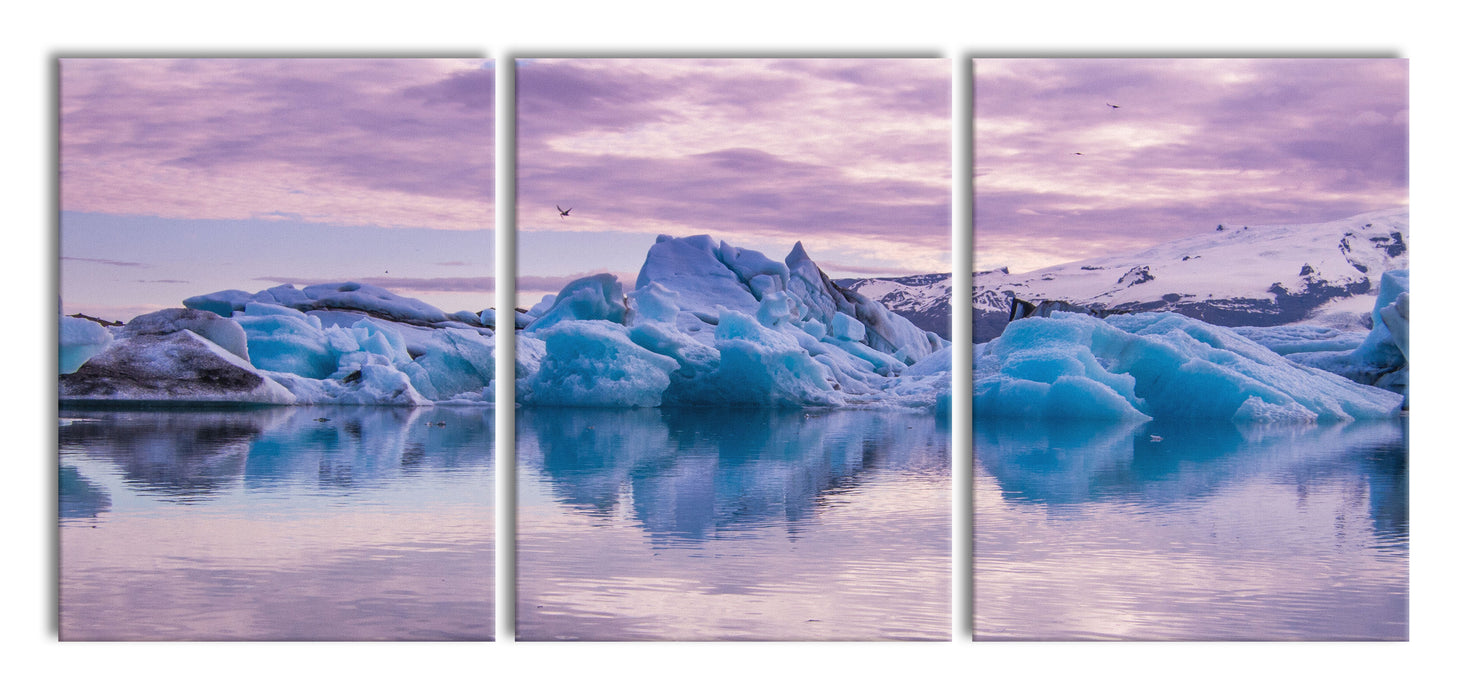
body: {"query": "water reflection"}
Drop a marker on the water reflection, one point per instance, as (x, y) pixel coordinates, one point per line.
(175, 455)
(720, 524)
(282, 523)
(699, 474)
(80, 498)
(196, 455)
(1168, 531)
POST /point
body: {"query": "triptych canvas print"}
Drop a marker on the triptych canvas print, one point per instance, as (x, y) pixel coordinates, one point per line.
(743, 400)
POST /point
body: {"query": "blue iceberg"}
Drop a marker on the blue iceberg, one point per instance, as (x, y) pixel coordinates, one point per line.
(1137, 367)
(344, 343)
(713, 324)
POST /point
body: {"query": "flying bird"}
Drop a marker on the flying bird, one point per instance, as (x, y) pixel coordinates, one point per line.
(1108, 104)
(1078, 154)
(564, 212)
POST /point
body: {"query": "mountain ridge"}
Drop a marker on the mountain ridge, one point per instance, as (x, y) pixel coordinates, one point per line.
(1257, 275)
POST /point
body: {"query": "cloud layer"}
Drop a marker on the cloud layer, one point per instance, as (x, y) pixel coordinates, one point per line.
(850, 156)
(374, 142)
(1190, 144)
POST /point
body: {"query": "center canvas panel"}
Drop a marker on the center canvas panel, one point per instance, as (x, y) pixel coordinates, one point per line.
(733, 358)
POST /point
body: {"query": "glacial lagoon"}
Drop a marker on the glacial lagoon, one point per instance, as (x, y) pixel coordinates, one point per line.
(1190, 531)
(733, 523)
(377, 523)
(292, 523)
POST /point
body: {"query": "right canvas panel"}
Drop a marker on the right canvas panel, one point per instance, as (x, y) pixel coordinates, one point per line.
(1190, 313)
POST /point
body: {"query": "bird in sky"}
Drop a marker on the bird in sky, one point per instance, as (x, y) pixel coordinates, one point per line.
(564, 212)
(1078, 154)
(1108, 104)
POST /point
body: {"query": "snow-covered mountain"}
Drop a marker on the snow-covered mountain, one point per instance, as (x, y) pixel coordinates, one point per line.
(1240, 275)
(926, 300)
(1236, 276)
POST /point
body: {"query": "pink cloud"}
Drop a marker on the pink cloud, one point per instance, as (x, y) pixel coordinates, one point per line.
(1191, 143)
(380, 142)
(850, 156)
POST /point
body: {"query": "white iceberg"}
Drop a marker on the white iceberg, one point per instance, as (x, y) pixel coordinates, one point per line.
(693, 269)
(79, 339)
(223, 332)
(341, 296)
(368, 385)
(598, 297)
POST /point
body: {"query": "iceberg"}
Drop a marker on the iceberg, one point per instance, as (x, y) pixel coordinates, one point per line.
(598, 297)
(1380, 358)
(286, 340)
(1304, 338)
(179, 366)
(79, 339)
(1137, 367)
(594, 363)
(342, 343)
(712, 324)
(763, 366)
(222, 332)
(352, 297)
(173, 355)
(448, 362)
(368, 385)
(695, 271)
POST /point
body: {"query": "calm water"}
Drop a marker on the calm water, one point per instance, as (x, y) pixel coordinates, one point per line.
(301, 523)
(732, 524)
(1178, 532)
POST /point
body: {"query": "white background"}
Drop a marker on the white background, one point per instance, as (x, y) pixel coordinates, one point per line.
(35, 664)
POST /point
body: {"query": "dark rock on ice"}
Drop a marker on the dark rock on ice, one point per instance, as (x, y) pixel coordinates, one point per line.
(177, 366)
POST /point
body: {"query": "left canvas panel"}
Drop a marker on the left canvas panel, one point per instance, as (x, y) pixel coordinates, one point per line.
(276, 415)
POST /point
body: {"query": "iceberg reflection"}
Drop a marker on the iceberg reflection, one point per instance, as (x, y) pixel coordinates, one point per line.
(721, 524)
(79, 497)
(299, 523)
(695, 474)
(1191, 531)
(1060, 464)
(189, 455)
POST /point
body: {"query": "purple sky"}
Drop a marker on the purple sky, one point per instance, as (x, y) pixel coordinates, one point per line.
(851, 157)
(1192, 144)
(182, 177)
